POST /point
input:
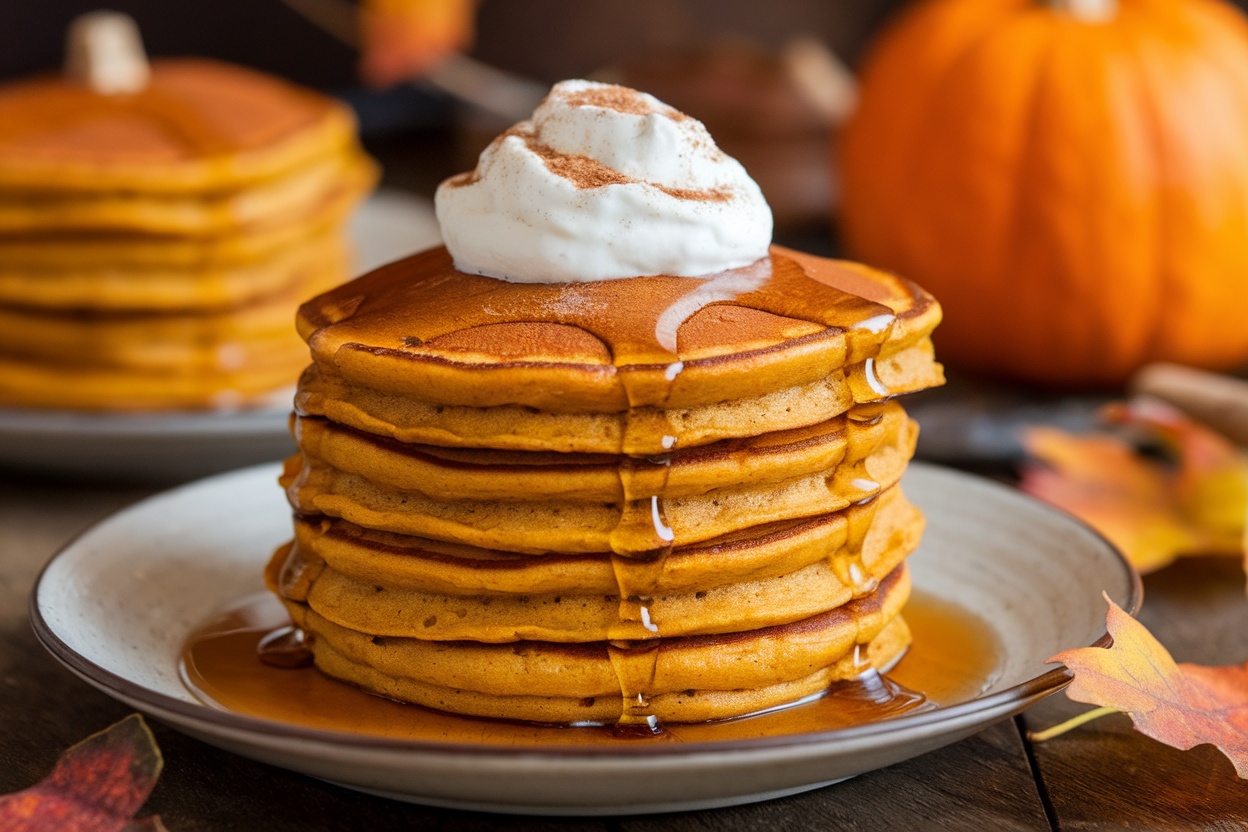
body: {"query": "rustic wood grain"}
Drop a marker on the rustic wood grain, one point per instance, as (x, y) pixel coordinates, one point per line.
(1105, 774)
(981, 783)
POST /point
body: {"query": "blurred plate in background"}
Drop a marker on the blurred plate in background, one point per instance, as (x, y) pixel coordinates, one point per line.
(170, 447)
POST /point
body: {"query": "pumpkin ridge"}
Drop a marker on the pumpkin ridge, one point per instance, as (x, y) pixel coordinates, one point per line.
(905, 160)
(1163, 273)
(1108, 294)
(1027, 160)
(930, 123)
(1220, 32)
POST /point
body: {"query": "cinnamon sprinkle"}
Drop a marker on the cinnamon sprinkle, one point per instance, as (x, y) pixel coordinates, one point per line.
(622, 100)
(720, 194)
(586, 173)
(581, 171)
(459, 180)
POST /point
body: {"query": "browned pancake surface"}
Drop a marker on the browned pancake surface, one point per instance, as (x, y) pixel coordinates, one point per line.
(199, 125)
(420, 328)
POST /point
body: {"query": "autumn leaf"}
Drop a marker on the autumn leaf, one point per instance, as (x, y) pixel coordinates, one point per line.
(403, 39)
(1181, 705)
(1192, 501)
(96, 786)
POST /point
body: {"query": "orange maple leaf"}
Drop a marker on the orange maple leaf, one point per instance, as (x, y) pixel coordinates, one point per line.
(1153, 510)
(1181, 705)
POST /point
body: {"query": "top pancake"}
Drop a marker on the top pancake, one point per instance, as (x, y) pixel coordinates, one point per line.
(199, 126)
(420, 335)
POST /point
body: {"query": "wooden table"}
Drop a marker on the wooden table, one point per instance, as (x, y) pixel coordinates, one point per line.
(1103, 775)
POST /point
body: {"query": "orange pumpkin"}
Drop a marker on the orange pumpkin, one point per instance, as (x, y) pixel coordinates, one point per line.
(1069, 178)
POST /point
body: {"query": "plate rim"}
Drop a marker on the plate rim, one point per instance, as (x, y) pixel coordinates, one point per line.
(198, 713)
(102, 425)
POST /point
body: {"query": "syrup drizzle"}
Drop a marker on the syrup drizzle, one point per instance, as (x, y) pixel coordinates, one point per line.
(640, 545)
(642, 540)
(876, 692)
(286, 648)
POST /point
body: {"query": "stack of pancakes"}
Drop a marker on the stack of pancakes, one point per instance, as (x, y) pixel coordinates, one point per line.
(154, 244)
(622, 502)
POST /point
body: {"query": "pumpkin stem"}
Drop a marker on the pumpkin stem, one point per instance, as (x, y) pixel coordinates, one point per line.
(1089, 11)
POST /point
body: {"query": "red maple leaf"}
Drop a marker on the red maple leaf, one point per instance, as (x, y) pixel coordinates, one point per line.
(96, 786)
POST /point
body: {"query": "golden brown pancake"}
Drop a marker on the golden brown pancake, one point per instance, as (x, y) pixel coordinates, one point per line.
(689, 679)
(407, 562)
(776, 590)
(194, 215)
(423, 353)
(199, 127)
(484, 474)
(67, 255)
(100, 287)
(585, 520)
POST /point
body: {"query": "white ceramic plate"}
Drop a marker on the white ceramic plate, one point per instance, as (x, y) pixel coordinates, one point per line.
(117, 604)
(175, 447)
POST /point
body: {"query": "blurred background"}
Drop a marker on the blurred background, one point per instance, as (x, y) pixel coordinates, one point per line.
(691, 48)
(772, 82)
(547, 39)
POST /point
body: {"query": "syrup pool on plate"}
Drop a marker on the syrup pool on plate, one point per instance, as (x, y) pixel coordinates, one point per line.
(953, 659)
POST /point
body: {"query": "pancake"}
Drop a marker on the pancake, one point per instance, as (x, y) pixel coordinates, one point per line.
(107, 389)
(44, 254)
(687, 679)
(703, 600)
(484, 474)
(583, 521)
(114, 295)
(229, 340)
(110, 288)
(421, 329)
(199, 127)
(407, 562)
(422, 353)
(195, 215)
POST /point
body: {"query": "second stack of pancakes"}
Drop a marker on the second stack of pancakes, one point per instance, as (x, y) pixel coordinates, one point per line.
(628, 502)
(154, 244)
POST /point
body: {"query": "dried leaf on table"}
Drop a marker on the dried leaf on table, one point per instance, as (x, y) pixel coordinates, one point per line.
(1181, 705)
(403, 39)
(1194, 501)
(97, 785)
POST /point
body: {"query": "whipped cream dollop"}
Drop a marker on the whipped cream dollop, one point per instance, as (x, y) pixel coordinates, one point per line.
(603, 182)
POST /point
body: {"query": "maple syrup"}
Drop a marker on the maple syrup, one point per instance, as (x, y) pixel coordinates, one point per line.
(953, 659)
